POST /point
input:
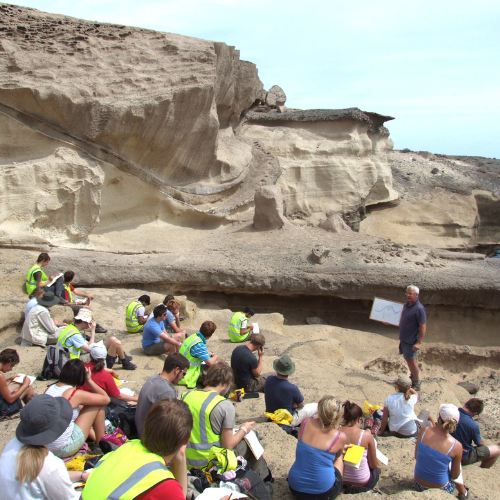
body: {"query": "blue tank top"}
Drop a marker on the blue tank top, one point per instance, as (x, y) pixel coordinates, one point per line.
(312, 471)
(432, 465)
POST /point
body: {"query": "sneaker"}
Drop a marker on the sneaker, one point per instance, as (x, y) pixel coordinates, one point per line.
(376, 426)
(127, 365)
(100, 329)
(369, 421)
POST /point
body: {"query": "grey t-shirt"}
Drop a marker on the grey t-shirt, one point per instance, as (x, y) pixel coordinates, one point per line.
(222, 416)
(153, 390)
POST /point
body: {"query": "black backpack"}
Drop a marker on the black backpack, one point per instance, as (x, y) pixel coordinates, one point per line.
(54, 361)
(122, 415)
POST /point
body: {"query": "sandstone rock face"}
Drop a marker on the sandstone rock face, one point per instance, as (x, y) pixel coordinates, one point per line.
(154, 104)
(268, 209)
(333, 161)
(53, 198)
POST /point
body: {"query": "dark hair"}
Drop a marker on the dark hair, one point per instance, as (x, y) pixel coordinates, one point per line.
(168, 298)
(79, 321)
(99, 364)
(249, 310)
(352, 412)
(69, 275)
(144, 298)
(167, 427)
(9, 356)
(173, 304)
(73, 372)
(475, 405)
(159, 310)
(43, 257)
(37, 292)
(258, 339)
(220, 373)
(175, 360)
(208, 328)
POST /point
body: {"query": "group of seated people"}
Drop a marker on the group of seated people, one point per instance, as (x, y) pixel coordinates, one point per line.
(177, 435)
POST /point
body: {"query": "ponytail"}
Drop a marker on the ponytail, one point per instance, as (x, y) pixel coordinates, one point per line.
(352, 413)
(30, 460)
(449, 425)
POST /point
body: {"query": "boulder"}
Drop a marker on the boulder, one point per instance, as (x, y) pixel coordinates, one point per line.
(335, 224)
(320, 253)
(469, 387)
(275, 96)
(268, 209)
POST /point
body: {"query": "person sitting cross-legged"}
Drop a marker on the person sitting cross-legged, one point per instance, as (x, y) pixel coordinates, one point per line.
(195, 350)
(136, 317)
(153, 467)
(247, 368)
(239, 330)
(72, 338)
(160, 386)
(155, 339)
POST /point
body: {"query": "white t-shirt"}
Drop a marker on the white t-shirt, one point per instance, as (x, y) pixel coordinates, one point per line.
(401, 413)
(53, 482)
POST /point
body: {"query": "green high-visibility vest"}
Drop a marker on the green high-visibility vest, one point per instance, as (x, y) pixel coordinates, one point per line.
(30, 280)
(126, 473)
(235, 327)
(194, 370)
(68, 332)
(131, 321)
(70, 295)
(201, 404)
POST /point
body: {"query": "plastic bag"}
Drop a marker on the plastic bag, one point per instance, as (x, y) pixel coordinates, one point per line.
(233, 394)
(117, 438)
(368, 408)
(281, 416)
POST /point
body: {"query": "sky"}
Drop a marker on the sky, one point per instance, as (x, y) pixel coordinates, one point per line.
(434, 65)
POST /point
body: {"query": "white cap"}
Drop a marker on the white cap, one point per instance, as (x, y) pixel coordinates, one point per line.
(84, 315)
(449, 411)
(98, 350)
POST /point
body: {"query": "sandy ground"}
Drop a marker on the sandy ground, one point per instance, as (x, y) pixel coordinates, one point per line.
(351, 364)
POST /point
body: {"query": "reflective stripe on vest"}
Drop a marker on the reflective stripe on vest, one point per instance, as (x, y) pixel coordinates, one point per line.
(68, 332)
(235, 327)
(30, 280)
(131, 321)
(70, 295)
(202, 438)
(127, 473)
(194, 370)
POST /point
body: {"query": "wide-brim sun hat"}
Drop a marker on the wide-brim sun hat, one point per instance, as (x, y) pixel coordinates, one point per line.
(84, 315)
(284, 365)
(43, 420)
(48, 299)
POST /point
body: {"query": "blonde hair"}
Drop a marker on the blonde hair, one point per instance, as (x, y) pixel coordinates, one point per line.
(405, 390)
(329, 412)
(30, 460)
(449, 425)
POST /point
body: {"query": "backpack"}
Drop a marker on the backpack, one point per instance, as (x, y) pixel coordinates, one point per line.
(122, 415)
(54, 361)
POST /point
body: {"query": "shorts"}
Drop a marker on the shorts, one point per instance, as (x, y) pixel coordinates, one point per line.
(76, 441)
(155, 349)
(7, 409)
(332, 493)
(256, 385)
(407, 350)
(477, 454)
(449, 487)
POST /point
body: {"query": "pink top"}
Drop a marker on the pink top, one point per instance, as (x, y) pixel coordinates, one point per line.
(361, 475)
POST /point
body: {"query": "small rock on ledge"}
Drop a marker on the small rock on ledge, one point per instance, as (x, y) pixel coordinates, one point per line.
(320, 253)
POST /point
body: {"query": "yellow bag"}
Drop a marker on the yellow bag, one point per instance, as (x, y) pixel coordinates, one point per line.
(281, 416)
(368, 408)
(233, 394)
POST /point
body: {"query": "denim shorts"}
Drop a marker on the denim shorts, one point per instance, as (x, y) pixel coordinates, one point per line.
(449, 487)
(75, 443)
(407, 350)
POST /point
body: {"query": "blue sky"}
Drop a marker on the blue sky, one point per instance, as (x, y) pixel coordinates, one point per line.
(433, 65)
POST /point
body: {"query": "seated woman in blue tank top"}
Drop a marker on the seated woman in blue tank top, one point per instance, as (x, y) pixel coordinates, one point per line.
(436, 450)
(317, 471)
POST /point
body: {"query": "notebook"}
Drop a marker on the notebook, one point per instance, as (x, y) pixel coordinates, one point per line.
(353, 456)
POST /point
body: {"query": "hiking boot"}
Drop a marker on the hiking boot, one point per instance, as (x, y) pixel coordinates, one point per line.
(110, 361)
(130, 358)
(416, 384)
(127, 365)
(100, 329)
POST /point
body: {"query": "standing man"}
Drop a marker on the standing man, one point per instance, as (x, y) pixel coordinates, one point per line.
(467, 432)
(238, 326)
(135, 316)
(412, 327)
(36, 278)
(247, 369)
(195, 350)
(160, 386)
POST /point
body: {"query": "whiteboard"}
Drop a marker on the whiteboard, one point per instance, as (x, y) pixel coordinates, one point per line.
(386, 311)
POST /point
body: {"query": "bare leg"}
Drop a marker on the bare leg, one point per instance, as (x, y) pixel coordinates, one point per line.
(92, 416)
(26, 395)
(114, 347)
(180, 337)
(413, 366)
(461, 488)
(494, 453)
(170, 348)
